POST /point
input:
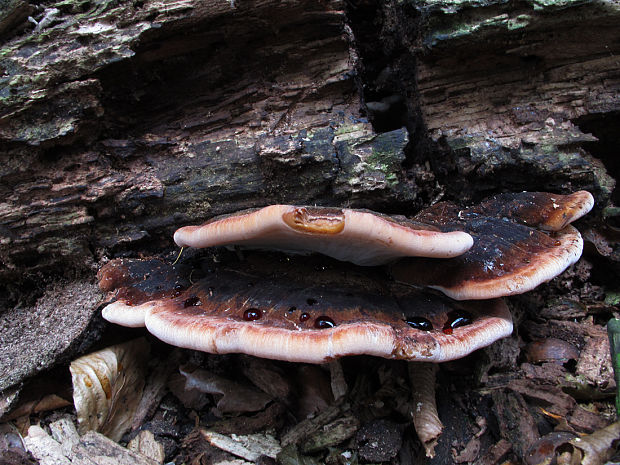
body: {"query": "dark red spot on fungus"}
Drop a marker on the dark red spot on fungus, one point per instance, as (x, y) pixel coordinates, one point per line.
(418, 322)
(324, 322)
(456, 319)
(252, 314)
(193, 301)
(370, 323)
(178, 290)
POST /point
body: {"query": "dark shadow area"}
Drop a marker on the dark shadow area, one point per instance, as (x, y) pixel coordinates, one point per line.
(605, 126)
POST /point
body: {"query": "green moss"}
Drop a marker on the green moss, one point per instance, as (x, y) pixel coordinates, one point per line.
(349, 128)
(457, 28)
(518, 22)
(611, 212)
(612, 298)
(388, 163)
(61, 246)
(546, 4)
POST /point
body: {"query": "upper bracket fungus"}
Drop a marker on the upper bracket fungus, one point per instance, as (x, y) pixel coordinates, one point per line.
(520, 241)
(357, 236)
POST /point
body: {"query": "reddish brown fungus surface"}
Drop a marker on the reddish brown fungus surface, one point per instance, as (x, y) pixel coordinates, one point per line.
(296, 319)
(509, 255)
(551, 212)
(136, 281)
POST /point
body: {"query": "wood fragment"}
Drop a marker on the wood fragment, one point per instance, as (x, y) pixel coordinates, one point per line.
(96, 449)
(155, 388)
(65, 432)
(44, 448)
(424, 409)
(552, 398)
(249, 447)
(594, 362)
(310, 425)
(338, 382)
(586, 421)
(331, 434)
(146, 444)
(469, 453)
(495, 453)
(516, 424)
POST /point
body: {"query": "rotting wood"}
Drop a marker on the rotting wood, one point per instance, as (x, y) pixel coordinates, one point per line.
(96, 449)
(44, 448)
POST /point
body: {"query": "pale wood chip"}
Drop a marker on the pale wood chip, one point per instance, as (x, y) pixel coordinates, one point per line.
(44, 448)
(65, 432)
(249, 447)
(96, 449)
(146, 444)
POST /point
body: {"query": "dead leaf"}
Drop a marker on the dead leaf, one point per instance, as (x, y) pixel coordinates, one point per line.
(598, 447)
(107, 387)
(235, 397)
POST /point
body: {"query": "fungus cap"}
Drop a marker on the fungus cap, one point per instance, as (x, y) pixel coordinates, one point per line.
(543, 210)
(358, 236)
(515, 265)
(510, 254)
(232, 312)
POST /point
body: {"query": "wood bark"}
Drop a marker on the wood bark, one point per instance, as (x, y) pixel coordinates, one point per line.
(122, 121)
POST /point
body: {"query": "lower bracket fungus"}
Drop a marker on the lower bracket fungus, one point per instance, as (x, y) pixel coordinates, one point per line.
(291, 319)
(293, 310)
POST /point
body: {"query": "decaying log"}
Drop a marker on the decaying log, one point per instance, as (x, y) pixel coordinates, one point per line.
(186, 110)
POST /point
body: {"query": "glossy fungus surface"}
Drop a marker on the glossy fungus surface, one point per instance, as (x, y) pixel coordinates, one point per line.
(520, 241)
(296, 319)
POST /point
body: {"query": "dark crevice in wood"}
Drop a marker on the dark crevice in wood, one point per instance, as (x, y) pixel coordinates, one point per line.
(604, 126)
(231, 72)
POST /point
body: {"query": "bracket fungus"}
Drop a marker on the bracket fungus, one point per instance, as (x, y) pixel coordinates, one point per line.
(520, 241)
(289, 318)
(297, 311)
(357, 236)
